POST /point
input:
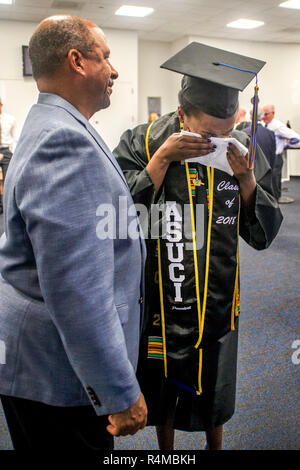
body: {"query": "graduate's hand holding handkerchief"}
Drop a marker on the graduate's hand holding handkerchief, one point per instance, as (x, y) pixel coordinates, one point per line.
(218, 158)
(180, 146)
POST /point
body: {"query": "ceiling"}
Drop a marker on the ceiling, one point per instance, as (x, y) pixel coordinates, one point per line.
(173, 19)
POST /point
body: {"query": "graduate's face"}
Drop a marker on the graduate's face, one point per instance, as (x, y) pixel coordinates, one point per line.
(207, 126)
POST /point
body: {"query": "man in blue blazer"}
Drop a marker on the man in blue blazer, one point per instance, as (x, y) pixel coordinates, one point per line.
(71, 295)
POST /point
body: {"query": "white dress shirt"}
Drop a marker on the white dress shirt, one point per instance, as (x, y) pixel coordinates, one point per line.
(8, 130)
(283, 133)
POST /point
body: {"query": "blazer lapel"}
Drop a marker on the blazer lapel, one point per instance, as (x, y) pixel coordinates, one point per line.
(55, 100)
(104, 148)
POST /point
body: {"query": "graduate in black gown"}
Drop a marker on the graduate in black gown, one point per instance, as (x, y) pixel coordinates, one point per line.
(188, 356)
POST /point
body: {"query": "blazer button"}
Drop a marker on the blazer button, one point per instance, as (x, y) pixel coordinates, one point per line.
(141, 300)
(93, 396)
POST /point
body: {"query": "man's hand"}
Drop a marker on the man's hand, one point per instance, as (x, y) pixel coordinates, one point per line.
(129, 421)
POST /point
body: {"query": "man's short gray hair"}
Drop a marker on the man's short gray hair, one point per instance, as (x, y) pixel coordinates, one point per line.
(50, 44)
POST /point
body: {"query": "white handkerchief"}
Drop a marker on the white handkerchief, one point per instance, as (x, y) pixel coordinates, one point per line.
(218, 158)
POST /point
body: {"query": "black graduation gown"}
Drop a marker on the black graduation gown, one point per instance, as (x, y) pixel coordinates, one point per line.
(189, 344)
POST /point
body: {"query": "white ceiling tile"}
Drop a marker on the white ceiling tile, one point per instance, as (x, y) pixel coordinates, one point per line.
(173, 19)
(159, 36)
(43, 3)
(215, 3)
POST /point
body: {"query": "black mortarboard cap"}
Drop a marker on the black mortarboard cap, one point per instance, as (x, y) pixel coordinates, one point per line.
(207, 84)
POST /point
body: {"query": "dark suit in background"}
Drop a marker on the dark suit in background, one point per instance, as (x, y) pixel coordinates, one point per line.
(266, 140)
(241, 126)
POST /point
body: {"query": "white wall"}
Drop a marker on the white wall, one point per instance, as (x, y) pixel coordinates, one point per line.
(153, 81)
(123, 111)
(19, 93)
(177, 77)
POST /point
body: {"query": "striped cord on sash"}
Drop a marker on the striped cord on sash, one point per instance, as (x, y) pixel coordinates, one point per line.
(159, 273)
(235, 309)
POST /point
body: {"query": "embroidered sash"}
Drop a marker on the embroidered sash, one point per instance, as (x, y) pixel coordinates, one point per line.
(194, 275)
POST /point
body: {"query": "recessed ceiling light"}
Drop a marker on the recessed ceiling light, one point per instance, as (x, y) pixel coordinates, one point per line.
(295, 4)
(130, 10)
(6, 2)
(243, 23)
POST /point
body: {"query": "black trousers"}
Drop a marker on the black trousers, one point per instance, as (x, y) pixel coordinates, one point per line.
(276, 175)
(35, 426)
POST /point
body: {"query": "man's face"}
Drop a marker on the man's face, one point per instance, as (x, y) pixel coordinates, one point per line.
(100, 73)
(241, 115)
(208, 126)
(268, 114)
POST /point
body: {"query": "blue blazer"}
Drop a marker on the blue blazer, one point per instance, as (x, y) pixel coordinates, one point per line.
(70, 297)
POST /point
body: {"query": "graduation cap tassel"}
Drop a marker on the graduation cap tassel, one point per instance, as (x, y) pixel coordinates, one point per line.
(252, 147)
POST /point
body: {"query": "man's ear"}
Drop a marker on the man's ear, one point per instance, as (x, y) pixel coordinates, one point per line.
(76, 61)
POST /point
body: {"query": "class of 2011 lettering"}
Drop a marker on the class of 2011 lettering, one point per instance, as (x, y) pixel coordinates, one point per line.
(226, 220)
(227, 186)
(222, 219)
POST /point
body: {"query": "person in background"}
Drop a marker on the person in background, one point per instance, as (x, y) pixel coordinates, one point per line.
(71, 297)
(284, 137)
(265, 138)
(188, 357)
(8, 139)
(152, 117)
(241, 120)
